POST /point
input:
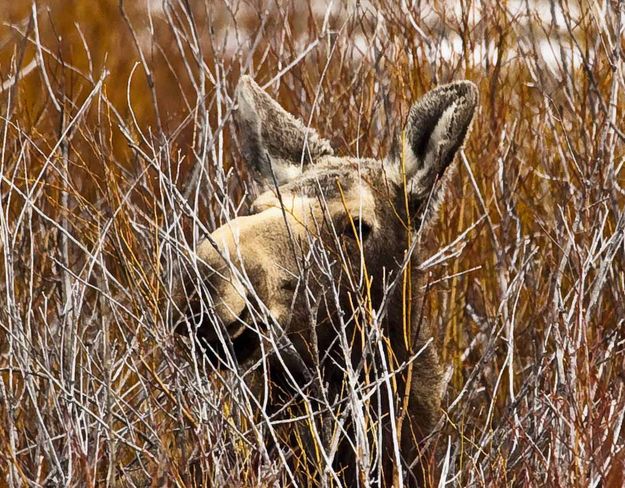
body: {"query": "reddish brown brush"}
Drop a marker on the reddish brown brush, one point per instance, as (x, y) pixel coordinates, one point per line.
(117, 155)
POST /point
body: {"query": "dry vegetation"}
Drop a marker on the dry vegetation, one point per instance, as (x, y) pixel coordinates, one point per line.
(116, 152)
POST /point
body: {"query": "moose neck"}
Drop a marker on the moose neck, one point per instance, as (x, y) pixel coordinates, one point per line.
(407, 323)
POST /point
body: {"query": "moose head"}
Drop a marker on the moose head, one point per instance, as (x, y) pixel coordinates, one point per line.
(302, 281)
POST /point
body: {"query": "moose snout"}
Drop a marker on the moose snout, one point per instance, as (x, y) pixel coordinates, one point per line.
(228, 295)
(237, 263)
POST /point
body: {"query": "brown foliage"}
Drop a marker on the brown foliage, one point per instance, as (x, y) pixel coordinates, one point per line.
(116, 149)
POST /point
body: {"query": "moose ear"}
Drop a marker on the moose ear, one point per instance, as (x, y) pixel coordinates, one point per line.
(274, 142)
(437, 126)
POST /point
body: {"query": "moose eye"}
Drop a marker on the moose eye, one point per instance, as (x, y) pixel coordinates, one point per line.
(361, 228)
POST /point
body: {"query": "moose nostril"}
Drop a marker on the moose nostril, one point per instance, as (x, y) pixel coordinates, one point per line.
(242, 320)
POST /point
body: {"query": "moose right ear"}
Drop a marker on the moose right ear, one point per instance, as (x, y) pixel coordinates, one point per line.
(436, 129)
(274, 142)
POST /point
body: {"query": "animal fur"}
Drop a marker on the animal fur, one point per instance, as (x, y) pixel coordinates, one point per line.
(255, 263)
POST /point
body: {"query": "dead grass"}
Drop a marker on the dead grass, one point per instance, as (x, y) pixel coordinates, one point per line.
(116, 151)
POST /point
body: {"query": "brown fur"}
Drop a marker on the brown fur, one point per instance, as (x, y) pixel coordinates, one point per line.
(264, 261)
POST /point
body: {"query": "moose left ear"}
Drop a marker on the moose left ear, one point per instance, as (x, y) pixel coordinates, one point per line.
(274, 142)
(437, 126)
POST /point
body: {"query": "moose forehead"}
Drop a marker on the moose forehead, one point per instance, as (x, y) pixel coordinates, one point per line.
(346, 183)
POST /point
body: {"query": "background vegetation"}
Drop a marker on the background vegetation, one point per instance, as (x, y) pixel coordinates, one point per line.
(116, 148)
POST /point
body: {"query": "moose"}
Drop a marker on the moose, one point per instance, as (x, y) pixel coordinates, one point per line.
(323, 275)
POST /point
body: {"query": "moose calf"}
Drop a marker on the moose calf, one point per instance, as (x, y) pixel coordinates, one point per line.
(319, 287)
